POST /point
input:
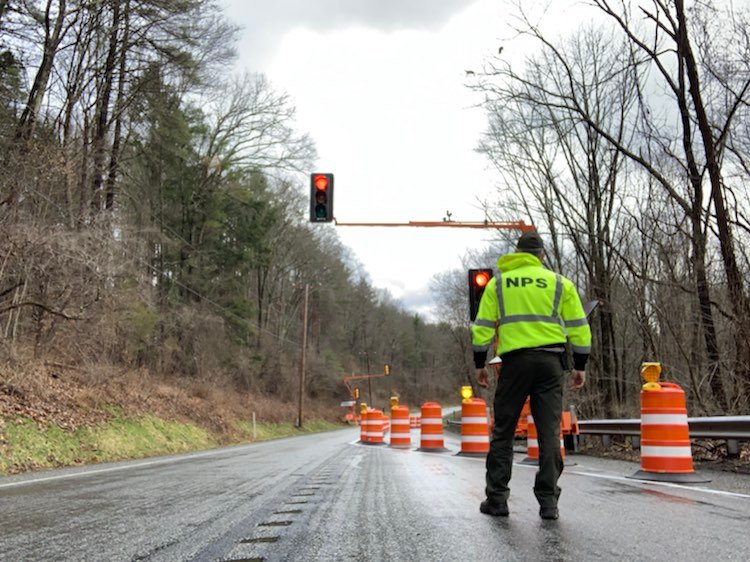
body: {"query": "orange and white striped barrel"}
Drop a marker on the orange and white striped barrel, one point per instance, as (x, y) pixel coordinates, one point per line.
(400, 430)
(562, 448)
(414, 421)
(431, 434)
(532, 442)
(363, 426)
(386, 422)
(475, 435)
(665, 439)
(372, 427)
(522, 423)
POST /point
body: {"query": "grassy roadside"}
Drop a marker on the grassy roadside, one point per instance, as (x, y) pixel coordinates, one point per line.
(26, 445)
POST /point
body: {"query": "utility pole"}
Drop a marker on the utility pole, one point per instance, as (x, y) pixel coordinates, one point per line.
(369, 381)
(303, 358)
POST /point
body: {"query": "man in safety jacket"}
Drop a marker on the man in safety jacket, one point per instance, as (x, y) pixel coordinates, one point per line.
(535, 312)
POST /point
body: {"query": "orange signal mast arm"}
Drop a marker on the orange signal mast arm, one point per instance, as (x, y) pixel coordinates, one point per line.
(518, 225)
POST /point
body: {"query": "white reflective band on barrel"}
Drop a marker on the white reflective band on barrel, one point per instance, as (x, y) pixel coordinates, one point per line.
(475, 439)
(432, 421)
(373, 434)
(474, 420)
(664, 419)
(667, 452)
(532, 443)
(400, 422)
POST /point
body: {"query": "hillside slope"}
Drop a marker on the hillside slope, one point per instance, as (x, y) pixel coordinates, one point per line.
(52, 415)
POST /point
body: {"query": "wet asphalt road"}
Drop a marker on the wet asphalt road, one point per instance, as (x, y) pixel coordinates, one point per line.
(326, 497)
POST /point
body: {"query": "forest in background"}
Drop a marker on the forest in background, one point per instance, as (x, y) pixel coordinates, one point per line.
(153, 209)
(625, 141)
(153, 216)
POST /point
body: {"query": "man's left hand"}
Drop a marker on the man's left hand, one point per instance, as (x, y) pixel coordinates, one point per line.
(483, 378)
(577, 379)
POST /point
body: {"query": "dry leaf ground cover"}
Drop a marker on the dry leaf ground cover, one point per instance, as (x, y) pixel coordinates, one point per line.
(54, 415)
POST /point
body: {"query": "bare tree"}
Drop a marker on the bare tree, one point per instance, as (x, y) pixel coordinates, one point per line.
(563, 174)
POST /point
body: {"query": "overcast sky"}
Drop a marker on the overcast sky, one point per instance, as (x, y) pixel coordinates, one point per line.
(380, 85)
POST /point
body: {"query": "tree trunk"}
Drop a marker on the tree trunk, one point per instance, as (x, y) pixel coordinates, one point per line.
(3, 7)
(27, 122)
(102, 113)
(119, 105)
(737, 295)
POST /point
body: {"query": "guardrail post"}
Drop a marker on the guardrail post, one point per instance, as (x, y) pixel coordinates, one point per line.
(733, 448)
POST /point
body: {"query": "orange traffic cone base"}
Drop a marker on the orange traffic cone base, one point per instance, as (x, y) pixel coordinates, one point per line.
(680, 478)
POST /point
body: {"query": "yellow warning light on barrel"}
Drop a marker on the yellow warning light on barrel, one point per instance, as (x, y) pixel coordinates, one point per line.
(362, 408)
(466, 393)
(394, 402)
(650, 373)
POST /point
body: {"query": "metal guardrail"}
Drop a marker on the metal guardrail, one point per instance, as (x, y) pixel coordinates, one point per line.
(717, 427)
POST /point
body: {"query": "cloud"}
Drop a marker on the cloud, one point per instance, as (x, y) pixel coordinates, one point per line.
(385, 15)
(264, 22)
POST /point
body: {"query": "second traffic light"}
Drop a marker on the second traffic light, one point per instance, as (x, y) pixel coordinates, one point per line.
(321, 197)
(478, 279)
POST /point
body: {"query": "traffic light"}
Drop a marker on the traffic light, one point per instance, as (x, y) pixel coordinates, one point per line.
(386, 369)
(478, 279)
(321, 197)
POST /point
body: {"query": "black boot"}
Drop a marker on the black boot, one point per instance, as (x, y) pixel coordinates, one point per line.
(496, 509)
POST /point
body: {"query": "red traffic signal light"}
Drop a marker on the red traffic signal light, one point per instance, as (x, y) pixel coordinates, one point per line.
(478, 279)
(321, 197)
(482, 277)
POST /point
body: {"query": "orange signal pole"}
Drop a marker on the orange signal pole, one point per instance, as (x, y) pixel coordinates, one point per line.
(359, 377)
(351, 390)
(519, 225)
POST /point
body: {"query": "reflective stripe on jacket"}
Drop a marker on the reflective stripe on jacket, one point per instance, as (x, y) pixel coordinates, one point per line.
(531, 306)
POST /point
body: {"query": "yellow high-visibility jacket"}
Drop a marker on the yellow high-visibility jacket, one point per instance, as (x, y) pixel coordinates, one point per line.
(531, 307)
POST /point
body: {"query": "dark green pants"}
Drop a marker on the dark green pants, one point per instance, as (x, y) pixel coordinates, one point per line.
(537, 374)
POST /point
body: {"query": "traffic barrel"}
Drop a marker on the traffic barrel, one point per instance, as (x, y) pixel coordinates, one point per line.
(363, 425)
(372, 427)
(475, 434)
(665, 438)
(414, 421)
(400, 429)
(566, 427)
(532, 444)
(386, 422)
(431, 423)
(522, 423)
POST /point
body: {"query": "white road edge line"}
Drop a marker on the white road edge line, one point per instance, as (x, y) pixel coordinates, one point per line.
(98, 471)
(619, 478)
(652, 482)
(181, 458)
